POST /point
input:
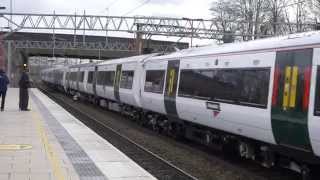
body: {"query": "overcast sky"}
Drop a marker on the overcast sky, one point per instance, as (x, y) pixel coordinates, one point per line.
(168, 8)
(176, 8)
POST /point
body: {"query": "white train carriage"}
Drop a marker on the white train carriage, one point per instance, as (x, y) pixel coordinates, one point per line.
(190, 85)
(73, 77)
(43, 75)
(59, 74)
(126, 76)
(64, 81)
(54, 76)
(262, 96)
(258, 89)
(82, 78)
(87, 84)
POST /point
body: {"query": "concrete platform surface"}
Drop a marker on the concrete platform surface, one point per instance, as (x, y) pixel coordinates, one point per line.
(48, 143)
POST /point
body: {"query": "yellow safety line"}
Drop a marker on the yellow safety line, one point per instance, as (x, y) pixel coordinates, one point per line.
(15, 147)
(51, 154)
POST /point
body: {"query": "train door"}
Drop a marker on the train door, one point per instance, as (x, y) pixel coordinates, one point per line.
(171, 89)
(314, 121)
(95, 77)
(290, 99)
(116, 83)
(78, 78)
(66, 80)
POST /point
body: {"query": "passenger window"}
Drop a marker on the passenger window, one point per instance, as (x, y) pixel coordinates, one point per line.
(72, 76)
(109, 78)
(227, 85)
(90, 77)
(192, 81)
(80, 76)
(100, 78)
(255, 87)
(105, 78)
(247, 87)
(126, 79)
(154, 81)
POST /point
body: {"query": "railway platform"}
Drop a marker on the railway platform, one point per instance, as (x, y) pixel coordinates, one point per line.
(48, 143)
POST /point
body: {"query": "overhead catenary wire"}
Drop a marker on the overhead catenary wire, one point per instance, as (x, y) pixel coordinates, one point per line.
(109, 5)
(139, 6)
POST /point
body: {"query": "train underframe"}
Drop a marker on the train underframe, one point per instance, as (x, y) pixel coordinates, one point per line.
(235, 146)
(232, 145)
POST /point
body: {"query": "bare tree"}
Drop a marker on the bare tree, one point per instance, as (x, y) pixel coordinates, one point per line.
(302, 15)
(260, 18)
(252, 13)
(276, 13)
(226, 13)
(314, 6)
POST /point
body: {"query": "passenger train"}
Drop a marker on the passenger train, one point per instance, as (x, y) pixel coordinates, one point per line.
(260, 99)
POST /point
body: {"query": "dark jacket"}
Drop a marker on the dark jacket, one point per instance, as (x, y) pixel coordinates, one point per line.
(24, 82)
(4, 81)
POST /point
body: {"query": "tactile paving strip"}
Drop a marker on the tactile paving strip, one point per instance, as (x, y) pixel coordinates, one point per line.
(81, 162)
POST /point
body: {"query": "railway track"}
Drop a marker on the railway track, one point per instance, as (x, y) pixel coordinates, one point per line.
(160, 161)
(154, 164)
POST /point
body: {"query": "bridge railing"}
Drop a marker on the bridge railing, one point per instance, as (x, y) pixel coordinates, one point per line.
(110, 46)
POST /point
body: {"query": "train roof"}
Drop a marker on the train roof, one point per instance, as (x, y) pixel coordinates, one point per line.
(128, 59)
(275, 43)
(309, 39)
(83, 65)
(54, 68)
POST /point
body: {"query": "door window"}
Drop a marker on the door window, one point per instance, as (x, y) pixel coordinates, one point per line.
(126, 79)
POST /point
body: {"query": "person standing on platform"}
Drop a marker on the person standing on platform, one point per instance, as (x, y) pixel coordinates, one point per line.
(24, 84)
(4, 81)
